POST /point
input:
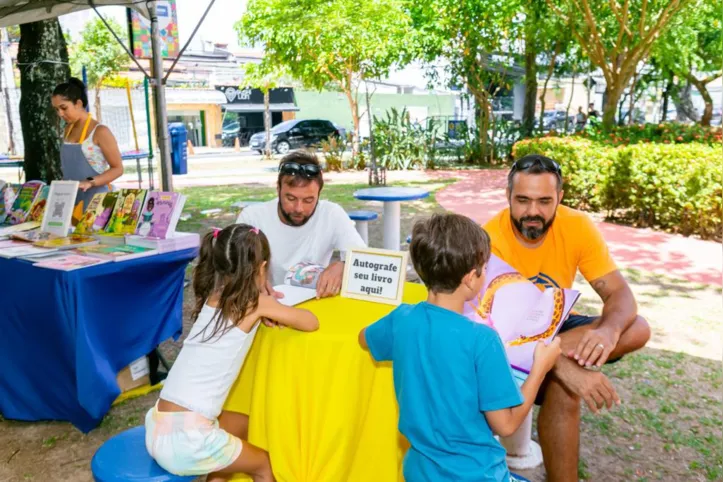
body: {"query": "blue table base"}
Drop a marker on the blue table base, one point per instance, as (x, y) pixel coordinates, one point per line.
(66, 335)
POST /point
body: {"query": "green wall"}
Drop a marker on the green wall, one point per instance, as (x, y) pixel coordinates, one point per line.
(334, 106)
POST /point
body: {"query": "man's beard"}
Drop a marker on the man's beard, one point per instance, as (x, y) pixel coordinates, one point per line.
(530, 232)
(289, 220)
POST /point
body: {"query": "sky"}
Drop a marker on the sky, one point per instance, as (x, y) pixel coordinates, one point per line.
(218, 26)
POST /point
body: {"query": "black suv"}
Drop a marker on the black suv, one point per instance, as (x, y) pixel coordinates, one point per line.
(294, 134)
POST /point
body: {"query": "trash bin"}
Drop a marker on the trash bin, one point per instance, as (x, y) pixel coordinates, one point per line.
(179, 154)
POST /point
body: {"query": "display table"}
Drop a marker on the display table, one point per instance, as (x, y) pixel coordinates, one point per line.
(65, 335)
(320, 405)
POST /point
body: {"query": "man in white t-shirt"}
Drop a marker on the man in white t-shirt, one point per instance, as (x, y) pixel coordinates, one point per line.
(302, 228)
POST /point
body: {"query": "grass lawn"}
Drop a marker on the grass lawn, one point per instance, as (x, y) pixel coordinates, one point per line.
(668, 428)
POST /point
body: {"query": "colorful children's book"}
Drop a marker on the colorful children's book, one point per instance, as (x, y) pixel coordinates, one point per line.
(61, 202)
(116, 253)
(38, 209)
(7, 198)
(299, 283)
(24, 201)
(521, 313)
(108, 201)
(160, 214)
(69, 242)
(94, 214)
(127, 211)
(70, 262)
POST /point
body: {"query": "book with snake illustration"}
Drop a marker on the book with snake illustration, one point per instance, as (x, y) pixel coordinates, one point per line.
(521, 313)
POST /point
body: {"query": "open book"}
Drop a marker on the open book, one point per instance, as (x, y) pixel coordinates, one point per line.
(521, 313)
(299, 283)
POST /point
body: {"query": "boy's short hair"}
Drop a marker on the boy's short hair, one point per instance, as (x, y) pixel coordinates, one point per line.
(445, 248)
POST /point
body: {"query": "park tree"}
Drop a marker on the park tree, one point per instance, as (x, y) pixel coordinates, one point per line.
(100, 54)
(330, 44)
(478, 41)
(617, 36)
(43, 63)
(264, 77)
(692, 49)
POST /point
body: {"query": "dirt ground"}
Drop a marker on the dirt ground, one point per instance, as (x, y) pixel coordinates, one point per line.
(668, 428)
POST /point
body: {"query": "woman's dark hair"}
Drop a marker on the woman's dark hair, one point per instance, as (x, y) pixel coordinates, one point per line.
(74, 90)
(229, 264)
(445, 248)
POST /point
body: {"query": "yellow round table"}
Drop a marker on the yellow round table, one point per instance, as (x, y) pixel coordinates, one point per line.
(320, 405)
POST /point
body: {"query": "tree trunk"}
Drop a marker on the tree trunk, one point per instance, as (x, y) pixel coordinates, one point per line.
(483, 123)
(528, 113)
(666, 98)
(98, 110)
(569, 103)
(550, 70)
(267, 123)
(354, 106)
(612, 98)
(632, 100)
(708, 110)
(41, 42)
(684, 103)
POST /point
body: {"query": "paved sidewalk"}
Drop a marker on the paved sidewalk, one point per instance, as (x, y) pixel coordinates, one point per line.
(481, 194)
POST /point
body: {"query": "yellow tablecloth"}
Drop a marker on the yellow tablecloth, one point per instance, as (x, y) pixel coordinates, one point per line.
(318, 402)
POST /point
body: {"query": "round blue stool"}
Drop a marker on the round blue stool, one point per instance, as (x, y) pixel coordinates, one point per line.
(517, 478)
(124, 458)
(361, 221)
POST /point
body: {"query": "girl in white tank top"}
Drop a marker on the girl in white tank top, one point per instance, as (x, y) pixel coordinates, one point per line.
(188, 432)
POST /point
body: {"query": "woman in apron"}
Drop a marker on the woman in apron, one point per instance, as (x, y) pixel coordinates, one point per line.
(89, 153)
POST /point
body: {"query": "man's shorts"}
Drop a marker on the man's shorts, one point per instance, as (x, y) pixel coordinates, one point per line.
(572, 322)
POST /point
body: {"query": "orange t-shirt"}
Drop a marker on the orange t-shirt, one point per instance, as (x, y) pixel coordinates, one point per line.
(573, 242)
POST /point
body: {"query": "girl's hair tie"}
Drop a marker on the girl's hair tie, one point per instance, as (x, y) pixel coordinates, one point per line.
(215, 232)
(255, 230)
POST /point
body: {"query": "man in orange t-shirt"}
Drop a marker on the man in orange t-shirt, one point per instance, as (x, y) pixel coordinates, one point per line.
(548, 243)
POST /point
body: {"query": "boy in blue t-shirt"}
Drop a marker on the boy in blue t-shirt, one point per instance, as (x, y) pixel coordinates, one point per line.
(448, 369)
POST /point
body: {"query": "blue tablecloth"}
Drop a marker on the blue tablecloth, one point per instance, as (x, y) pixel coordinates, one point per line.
(64, 336)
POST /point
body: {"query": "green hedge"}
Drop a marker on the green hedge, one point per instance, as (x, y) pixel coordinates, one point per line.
(673, 187)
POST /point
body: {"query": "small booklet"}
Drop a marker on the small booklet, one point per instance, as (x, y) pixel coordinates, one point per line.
(27, 250)
(70, 242)
(299, 283)
(116, 253)
(33, 236)
(520, 313)
(18, 228)
(70, 262)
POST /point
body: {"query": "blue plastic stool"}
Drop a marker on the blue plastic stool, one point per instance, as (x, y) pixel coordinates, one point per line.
(124, 458)
(361, 221)
(517, 478)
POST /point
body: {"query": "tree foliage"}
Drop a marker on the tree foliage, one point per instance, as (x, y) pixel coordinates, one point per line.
(478, 40)
(617, 37)
(692, 48)
(323, 43)
(101, 55)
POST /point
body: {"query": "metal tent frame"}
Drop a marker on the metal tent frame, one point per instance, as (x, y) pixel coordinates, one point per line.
(16, 12)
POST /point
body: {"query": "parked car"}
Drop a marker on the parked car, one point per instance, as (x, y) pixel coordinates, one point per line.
(294, 134)
(230, 132)
(555, 119)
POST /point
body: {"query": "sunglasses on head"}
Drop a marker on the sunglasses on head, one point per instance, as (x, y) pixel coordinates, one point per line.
(545, 162)
(295, 169)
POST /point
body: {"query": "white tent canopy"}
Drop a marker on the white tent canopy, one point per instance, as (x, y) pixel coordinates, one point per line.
(16, 12)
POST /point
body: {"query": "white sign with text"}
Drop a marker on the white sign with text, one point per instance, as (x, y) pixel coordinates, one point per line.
(376, 275)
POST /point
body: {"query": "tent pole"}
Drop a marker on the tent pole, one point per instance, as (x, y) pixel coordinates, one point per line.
(159, 97)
